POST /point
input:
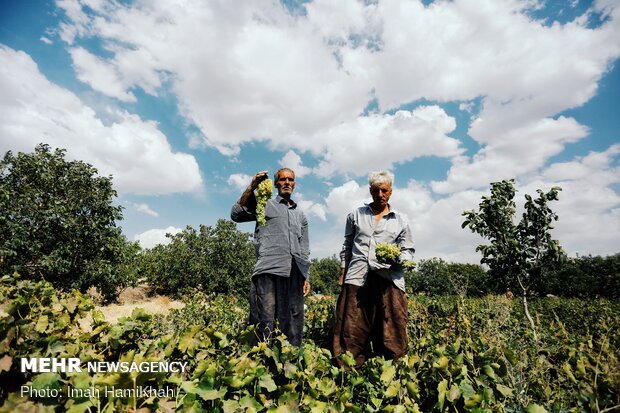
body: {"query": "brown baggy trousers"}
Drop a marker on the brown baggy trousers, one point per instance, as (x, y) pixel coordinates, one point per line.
(375, 313)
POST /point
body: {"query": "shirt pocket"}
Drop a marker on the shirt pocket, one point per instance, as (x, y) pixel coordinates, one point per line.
(388, 235)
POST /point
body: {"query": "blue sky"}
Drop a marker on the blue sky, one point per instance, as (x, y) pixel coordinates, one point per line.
(182, 102)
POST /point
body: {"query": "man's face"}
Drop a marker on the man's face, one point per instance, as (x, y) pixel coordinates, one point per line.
(285, 183)
(381, 194)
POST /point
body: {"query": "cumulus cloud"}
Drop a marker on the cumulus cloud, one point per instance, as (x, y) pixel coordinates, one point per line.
(99, 74)
(518, 152)
(311, 208)
(300, 82)
(239, 181)
(145, 209)
(153, 237)
(589, 207)
(134, 151)
(345, 198)
(293, 161)
(380, 141)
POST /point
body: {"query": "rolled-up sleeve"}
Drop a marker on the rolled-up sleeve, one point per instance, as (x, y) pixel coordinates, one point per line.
(239, 213)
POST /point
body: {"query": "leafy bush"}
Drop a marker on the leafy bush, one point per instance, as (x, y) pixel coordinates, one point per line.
(215, 259)
(437, 277)
(57, 222)
(324, 274)
(585, 276)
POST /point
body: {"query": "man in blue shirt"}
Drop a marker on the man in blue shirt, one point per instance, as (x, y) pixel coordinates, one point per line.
(280, 276)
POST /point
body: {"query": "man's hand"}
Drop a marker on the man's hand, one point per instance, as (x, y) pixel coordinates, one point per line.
(258, 178)
(249, 191)
(306, 288)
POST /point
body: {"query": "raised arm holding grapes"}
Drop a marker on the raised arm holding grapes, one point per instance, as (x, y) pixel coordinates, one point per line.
(280, 276)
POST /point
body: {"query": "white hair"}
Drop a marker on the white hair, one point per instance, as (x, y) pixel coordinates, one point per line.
(380, 177)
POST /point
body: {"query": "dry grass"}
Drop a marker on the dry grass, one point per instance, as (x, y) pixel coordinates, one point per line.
(152, 305)
(130, 299)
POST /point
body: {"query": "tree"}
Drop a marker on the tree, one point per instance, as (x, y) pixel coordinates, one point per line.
(57, 221)
(518, 252)
(437, 277)
(324, 274)
(585, 277)
(216, 259)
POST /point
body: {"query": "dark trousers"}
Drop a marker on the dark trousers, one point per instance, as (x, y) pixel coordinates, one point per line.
(278, 302)
(373, 314)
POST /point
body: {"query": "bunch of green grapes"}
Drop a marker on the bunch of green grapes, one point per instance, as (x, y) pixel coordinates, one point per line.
(391, 253)
(387, 252)
(263, 193)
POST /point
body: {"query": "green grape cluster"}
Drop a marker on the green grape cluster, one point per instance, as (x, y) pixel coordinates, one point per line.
(387, 252)
(391, 253)
(263, 193)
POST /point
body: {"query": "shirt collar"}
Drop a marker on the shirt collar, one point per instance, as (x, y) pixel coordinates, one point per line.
(392, 210)
(281, 200)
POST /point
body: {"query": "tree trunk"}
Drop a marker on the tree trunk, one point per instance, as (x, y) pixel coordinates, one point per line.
(526, 310)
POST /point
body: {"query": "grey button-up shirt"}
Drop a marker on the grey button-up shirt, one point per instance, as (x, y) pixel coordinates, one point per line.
(361, 237)
(281, 241)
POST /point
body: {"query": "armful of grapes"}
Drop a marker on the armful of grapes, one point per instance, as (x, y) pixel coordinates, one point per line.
(390, 254)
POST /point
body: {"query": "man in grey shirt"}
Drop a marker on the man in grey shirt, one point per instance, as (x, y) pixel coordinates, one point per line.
(372, 306)
(280, 276)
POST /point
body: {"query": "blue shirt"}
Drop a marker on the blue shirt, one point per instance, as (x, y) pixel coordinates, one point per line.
(361, 237)
(281, 241)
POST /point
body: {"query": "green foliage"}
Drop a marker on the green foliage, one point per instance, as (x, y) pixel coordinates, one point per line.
(518, 253)
(464, 355)
(324, 274)
(216, 259)
(438, 277)
(585, 276)
(57, 222)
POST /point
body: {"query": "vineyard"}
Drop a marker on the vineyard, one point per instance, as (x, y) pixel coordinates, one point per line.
(465, 354)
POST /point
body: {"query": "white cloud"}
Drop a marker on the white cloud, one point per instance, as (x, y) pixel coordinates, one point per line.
(514, 153)
(153, 237)
(239, 181)
(293, 161)
(310, 208)
(99, 74)
(134, 151)
(379, 141)
(345, 198)
(45, 40)
(145, 209)
(588, 206)
(300, 82)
